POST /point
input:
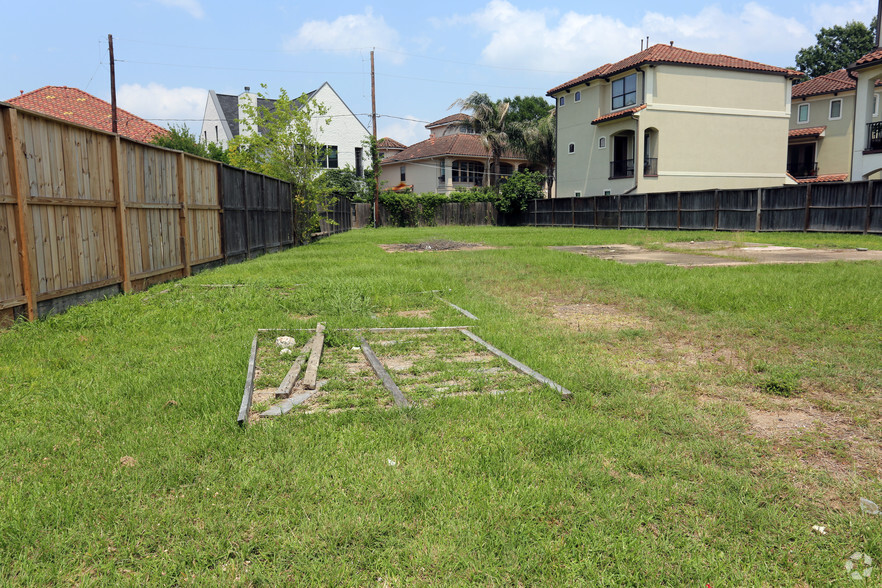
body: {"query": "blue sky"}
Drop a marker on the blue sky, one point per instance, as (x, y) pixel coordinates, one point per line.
(428, 54)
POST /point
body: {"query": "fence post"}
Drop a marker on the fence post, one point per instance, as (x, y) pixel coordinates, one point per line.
(679, 208)
(247, 215)
(808, 207)
(716, 209)
(759, 209)
(595, 211)
(619, 199)
(121, 215)
(646, 211)
(182, 214)
(220, 216)
(552, 211)
(573, 210)
(24, 222)
(869, 192)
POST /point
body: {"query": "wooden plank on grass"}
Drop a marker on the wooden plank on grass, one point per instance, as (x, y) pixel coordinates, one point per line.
(248, 394)
(397, 394)
(291, 377)
(565, 394)
(465, 313)
(286, 405)
(315, 355)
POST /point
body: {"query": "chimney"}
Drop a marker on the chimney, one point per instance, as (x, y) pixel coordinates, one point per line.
(248, 88)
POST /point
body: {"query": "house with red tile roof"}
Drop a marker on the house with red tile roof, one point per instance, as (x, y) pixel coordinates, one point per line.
(452, 158)
(866, 152)
(668, 119)
(387, 147)
(81, 108)
(822, 127)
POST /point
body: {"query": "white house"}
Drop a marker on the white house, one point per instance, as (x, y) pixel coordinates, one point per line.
(343, 136)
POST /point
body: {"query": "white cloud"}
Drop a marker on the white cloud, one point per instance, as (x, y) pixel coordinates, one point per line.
(553, 42)
(164, 106)
(408, 131)
(194, 7)
(828, 15)
(348, 33)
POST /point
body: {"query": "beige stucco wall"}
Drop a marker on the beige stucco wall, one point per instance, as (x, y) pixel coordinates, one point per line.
(833, 150)
(716, 129)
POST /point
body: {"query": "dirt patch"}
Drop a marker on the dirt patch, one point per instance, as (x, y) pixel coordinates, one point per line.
(598, 316)
(435, 245)
(422, 314)
(779, 423)
(398, 364)
(720, 253)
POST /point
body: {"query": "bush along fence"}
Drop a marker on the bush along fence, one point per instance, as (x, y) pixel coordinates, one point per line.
(854, 207)
(85, 214)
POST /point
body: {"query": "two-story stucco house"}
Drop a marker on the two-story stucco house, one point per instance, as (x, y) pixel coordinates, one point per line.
(344, 136)
(452, 158)
(668, 119)
(866, 157)
(822, 127)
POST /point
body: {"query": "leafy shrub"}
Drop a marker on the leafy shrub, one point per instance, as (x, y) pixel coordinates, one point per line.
(518, 189)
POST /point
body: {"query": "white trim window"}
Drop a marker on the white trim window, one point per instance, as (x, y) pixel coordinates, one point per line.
(577, 194)
(601, 143)
(571, 148)
(578, 96)
(607, 192)
(802, 113)
(835, 109)
(561, 101)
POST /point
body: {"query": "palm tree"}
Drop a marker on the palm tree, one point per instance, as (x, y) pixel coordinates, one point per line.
(487, 119)
(538, 142)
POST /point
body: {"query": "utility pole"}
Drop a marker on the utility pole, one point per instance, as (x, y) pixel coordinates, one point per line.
(112, 84)
(374, 161)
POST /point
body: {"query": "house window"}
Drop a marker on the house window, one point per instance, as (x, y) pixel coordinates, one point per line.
(802, 113)
(571, 148)
(561, 100)
(601, 143)
(216, 135)
(328, 157)
(607, 192)
(468, 171)
(403, 175)
(836, 109)
(359, 163)
(578, 97)
(442, 172)
(875, 104)
(577, 194)
(624, 92)
(505, 169)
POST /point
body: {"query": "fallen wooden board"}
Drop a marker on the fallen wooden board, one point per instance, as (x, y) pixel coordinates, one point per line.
(245, 407)
(397, 394)
(291, 377)
(286, 405)
(565, 394)
(315, 355)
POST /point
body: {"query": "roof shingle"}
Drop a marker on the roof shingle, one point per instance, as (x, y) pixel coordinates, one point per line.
(78, 107)
(807, 132)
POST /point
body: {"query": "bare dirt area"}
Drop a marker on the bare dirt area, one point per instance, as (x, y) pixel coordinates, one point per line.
(435, 245)
(587, 316)
(720, 253)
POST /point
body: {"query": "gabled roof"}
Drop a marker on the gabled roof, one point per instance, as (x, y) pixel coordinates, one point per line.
(387, 143)
(668, 54)
(807, 132)
(459, 117)
(837, 81)
(78, 107)
(617, 114)
(461, 145)
(229, 106)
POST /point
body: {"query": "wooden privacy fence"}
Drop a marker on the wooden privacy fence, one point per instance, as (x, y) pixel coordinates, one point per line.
(84, 214)
(854, 207)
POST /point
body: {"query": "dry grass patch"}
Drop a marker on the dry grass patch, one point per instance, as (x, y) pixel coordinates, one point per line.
(434, 245)
(593, 316)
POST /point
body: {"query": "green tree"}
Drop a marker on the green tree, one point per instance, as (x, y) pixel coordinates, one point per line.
(181, 139)
(837, 47)
(527, 109)
(538, 141)
(518, 189)
(489, 120)
(286, 148)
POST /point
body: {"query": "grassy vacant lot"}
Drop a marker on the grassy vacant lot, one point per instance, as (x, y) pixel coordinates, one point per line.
(719, 414)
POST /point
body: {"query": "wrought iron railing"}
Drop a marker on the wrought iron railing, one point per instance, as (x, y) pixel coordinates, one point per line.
(621, 168)
(874, 136)
(650, 166)
(803, 170)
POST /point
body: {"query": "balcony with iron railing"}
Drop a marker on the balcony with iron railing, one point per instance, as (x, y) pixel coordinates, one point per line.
(621, 168)
(805, 169)
(650, 166)
(874, 136)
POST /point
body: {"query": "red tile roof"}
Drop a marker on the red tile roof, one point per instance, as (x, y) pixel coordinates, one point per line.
(837, 81)
(462, 145)
(668, 54)
(824, 178)
(617, 114)
(459, 117)
(807, 132)
(871, 58)
(387, 143)
(81, 108)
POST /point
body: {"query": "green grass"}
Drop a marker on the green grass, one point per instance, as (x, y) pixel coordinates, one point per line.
(122, 462)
